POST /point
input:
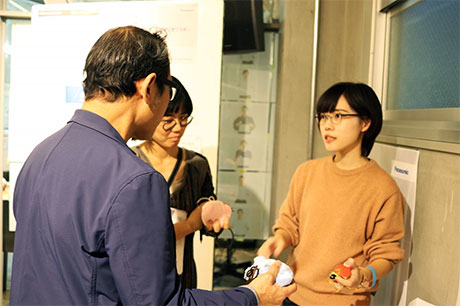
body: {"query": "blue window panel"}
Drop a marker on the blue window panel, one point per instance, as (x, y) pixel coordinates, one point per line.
(424, 61)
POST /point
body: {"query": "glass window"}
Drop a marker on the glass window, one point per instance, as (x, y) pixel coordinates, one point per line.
(424, 62)
(21, 5)
(8, 53)
(416, 72)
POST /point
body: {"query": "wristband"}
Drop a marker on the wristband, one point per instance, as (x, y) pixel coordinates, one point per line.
(204, 199)
(374, 276)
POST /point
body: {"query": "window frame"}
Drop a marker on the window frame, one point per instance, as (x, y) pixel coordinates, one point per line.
(436, 128)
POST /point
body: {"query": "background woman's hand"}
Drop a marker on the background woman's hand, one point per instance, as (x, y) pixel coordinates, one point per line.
(194, 219)
(216, 215)
(216, 226)
(190, 225)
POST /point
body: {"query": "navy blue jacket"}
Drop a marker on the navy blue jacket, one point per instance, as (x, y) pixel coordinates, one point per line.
(94, 226)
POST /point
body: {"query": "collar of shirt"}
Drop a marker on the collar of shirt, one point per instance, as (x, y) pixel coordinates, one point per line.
(96, 122)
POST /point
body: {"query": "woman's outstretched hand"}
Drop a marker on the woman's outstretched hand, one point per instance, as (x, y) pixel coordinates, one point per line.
(274, 245)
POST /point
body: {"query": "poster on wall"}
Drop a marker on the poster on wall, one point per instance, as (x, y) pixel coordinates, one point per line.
(248, 77)
(402, 165)
(247, 153)
(244, 119)
(244, 83)
(246, 194)
(243, 137)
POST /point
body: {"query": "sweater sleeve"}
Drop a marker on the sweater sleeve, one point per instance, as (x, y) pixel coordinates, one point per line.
(288, 220)
(388, 230)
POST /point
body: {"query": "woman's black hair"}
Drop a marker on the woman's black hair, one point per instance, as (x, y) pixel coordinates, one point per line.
(181, 102)
(363, 100)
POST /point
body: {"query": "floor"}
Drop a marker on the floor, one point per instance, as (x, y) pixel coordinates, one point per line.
(6, 294)
(231, 259)
(6, 298)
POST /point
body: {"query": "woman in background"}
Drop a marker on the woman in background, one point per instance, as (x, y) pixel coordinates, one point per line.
(188, 176)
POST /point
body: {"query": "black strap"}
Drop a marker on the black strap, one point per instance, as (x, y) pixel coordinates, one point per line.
(176, 167)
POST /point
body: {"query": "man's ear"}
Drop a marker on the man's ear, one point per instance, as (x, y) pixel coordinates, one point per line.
(145, 87)
(365, 124)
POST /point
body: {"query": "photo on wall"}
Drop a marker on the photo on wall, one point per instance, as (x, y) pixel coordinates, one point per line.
(237, 153)
(245, 76)
(244, 83)
(245, 192)
(240, 118)
(243, 139)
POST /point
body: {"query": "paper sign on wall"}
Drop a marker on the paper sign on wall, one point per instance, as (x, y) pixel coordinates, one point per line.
(402, 165)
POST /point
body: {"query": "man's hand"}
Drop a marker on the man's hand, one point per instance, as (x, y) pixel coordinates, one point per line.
(268, 291)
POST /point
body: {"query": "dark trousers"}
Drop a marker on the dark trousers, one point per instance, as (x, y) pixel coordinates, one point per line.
(288, 302)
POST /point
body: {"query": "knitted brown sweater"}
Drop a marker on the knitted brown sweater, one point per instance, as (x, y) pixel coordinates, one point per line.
(331, 215)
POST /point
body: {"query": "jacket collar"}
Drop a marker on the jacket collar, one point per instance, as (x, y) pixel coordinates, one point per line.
(97, 123)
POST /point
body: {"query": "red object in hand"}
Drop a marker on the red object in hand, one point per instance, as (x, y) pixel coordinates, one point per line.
(343, 271)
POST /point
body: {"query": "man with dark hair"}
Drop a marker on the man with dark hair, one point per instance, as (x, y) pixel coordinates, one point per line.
(93, 220)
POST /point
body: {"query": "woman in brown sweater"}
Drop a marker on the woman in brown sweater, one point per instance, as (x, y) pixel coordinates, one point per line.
(341, 209)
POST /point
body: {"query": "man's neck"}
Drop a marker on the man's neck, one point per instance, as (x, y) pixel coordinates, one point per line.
(119, 114)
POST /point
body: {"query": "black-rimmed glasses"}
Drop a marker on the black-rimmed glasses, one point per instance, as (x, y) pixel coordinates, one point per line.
(169, 124)
(335, 118)
(172, 88)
